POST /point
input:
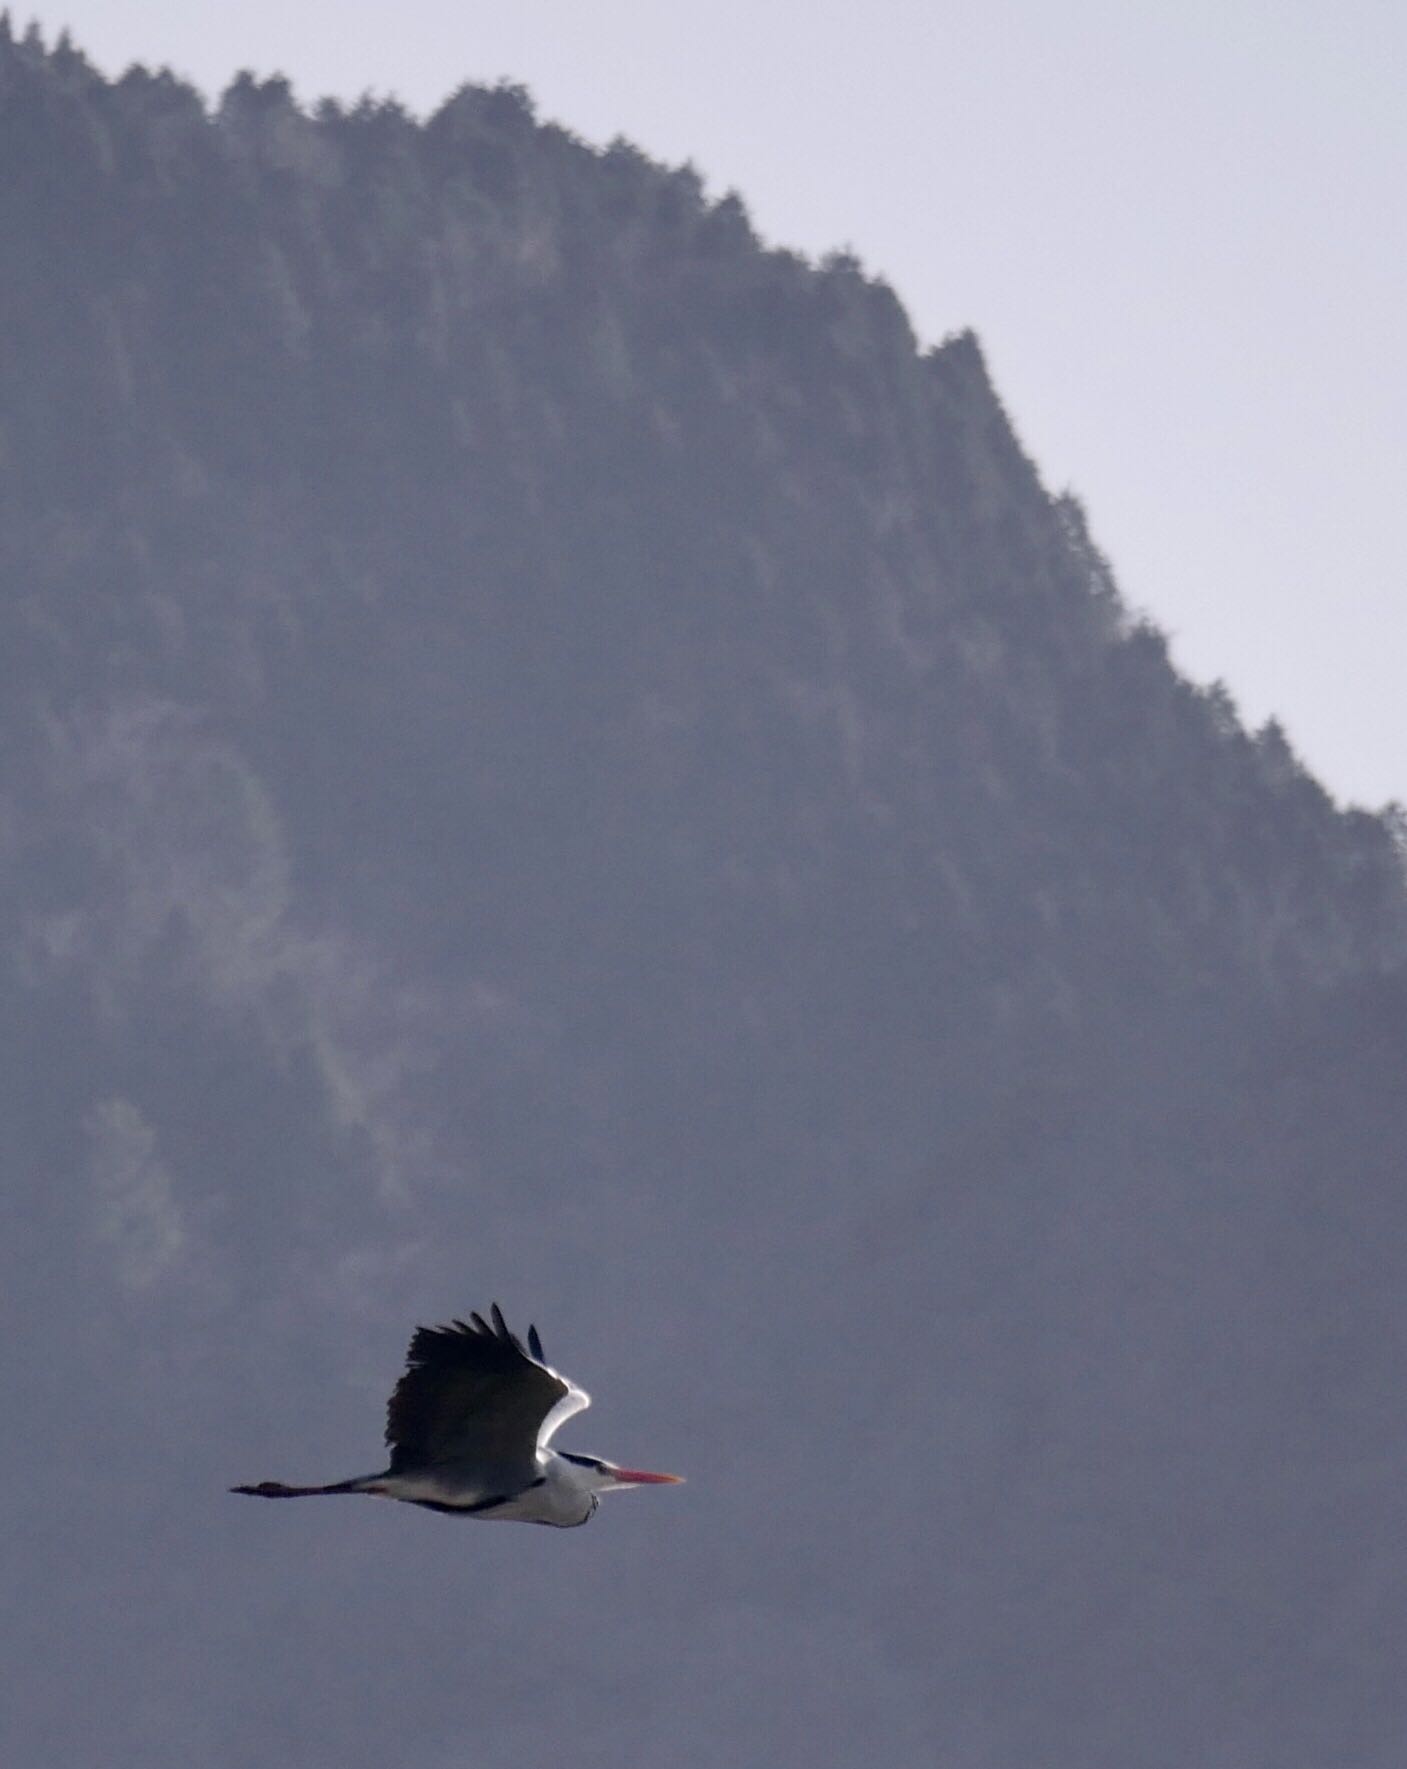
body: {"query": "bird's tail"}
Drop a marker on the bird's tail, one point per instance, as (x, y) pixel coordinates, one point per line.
(275, 1489)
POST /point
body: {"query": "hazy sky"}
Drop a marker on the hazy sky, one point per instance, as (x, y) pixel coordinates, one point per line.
(1178, 227)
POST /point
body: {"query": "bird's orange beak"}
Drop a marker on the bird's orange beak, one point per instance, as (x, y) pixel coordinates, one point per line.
(638, 1477)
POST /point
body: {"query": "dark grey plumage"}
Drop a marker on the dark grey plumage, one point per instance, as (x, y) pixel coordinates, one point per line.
(472, 1383)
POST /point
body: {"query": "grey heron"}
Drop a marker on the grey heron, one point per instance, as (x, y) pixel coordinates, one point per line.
(469, 1426)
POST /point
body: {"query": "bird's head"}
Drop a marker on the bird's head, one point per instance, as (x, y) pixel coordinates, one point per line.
(607, 1477)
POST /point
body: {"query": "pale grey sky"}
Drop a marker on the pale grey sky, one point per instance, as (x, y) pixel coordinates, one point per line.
(1179, 228)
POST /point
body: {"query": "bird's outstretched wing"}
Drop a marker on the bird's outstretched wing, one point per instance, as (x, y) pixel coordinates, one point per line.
(474, 1396)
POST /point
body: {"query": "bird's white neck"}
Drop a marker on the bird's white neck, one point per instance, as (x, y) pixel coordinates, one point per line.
(568, 1494)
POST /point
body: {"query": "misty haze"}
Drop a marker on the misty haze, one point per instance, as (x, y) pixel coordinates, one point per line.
(553, 752)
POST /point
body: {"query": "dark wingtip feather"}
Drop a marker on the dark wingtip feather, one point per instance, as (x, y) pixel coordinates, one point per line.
(535, 1345)
(505, 1333)
(480, 1323)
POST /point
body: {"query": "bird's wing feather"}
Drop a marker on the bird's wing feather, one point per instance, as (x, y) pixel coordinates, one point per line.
(575, 1400)
(472, 1395)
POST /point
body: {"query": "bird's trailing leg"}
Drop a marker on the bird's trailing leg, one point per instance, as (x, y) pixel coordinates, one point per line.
(275, 1489)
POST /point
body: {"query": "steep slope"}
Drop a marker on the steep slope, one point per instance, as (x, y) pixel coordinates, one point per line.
(553, 752)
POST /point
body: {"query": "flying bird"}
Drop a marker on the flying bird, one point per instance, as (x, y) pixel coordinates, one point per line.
(470, 1424)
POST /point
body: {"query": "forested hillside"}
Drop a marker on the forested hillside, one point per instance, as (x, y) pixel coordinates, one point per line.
(553, 752)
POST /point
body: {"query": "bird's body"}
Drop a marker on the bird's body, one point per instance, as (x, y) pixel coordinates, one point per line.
(469, 1426)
